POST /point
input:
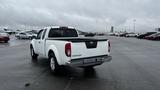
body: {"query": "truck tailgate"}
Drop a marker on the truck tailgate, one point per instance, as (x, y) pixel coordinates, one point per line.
(89, 49)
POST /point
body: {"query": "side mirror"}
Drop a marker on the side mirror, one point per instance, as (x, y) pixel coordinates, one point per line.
(37, 37)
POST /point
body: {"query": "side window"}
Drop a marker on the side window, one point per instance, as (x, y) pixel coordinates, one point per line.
(44, 33)
(39, 34)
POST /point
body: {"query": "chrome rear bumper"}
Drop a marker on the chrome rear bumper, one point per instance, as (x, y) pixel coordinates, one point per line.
(89, 61)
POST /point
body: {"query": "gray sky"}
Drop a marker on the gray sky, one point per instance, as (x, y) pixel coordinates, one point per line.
(88, 15)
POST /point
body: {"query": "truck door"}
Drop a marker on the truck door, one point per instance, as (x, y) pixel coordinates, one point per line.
(41, 43)
(38, 42)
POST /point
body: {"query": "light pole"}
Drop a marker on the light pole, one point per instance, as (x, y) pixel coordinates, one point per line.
(134, 25)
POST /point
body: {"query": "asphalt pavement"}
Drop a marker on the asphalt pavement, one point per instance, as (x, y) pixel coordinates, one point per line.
(135, 66)
(13, 42)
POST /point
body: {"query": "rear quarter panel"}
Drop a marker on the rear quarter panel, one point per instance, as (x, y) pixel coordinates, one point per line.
(58, 47)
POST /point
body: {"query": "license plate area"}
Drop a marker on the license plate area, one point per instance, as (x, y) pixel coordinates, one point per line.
(92, 60)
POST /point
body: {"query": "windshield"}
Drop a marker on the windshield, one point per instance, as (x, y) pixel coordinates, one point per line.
(62, 32)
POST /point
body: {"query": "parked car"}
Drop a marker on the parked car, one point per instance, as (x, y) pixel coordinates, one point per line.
(24, 35)
(9, 31)
(33, 34)
(123, 34)
(90, 35)
(117, 34)
(155, 36)
(111, 34)
(131, 35)
(4, 36)
(141, 36)
(63, 46)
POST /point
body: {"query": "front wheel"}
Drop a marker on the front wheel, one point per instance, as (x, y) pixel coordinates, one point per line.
(33, 54)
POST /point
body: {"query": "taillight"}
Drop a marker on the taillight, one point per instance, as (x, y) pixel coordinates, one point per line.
(109, 46)
(68, 49)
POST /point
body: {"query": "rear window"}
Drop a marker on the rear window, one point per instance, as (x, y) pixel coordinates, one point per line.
(62, 32)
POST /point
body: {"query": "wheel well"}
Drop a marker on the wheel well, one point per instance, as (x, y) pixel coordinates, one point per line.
(50, 51)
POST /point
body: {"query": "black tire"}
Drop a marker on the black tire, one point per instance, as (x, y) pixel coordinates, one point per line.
(17, 37)
(30, 38)
(54, 66)
(34, 56)
(89, 67)
(6, 41)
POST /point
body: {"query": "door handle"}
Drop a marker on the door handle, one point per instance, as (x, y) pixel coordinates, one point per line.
(39, 42)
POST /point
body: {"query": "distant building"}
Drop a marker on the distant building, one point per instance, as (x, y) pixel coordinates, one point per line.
(112, 29)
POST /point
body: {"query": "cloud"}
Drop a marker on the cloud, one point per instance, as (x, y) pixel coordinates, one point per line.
(89, 15)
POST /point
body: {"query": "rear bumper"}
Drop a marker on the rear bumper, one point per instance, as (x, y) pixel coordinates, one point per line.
(89, 61)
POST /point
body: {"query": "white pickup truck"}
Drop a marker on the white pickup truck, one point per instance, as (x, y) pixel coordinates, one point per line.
(63, 46)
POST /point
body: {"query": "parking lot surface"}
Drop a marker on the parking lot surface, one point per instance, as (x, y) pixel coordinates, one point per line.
(135, 66)
(13, 42)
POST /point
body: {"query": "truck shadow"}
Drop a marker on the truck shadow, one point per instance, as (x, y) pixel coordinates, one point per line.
(66, 71)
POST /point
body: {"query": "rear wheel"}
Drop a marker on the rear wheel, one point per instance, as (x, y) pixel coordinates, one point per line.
(33, 54)
(89, 69)
(53, 63)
